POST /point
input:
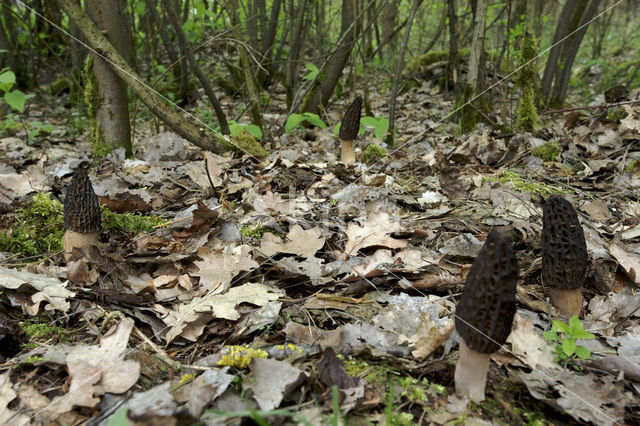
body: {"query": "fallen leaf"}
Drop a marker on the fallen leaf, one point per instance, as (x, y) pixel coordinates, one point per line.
(297, 241)
(48, 289)
(374, 232)
(273, 381)
(218, 268)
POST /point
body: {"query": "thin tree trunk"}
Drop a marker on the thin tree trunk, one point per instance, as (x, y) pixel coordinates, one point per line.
(252, 95)
(562, 83)
(562, 29)
(399, 67)
(452, 12)
(338, 59)
(296, 35)
(204, 81)
(268, 39)
(178, 65)
(477, 45)
(110, 105)
(174, 120)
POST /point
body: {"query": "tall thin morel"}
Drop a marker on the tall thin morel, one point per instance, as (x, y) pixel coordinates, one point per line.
(349, 130)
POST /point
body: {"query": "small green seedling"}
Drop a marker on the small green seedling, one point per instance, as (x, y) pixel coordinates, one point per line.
(380, 126)
(312, 74)
(296, 120)
(564, 337)
(14, 98)
(236, 129)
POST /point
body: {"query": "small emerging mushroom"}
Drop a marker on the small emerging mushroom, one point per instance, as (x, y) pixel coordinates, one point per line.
(564, 255)
(349, 130)
(82, 218)
(485, 313)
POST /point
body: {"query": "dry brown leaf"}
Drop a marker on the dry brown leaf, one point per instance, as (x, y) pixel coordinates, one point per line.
(218, 268)
(297, 241)
(374, 232)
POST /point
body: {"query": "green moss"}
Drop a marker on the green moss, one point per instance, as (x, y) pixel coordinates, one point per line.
(41, 332)
(129, 222)
(432, 57)
(527, 118)
(33, 360)
(38, 228)
(91, 101)
(519, 183)
(373, 152)
(633, 165)
(244, 143)
(614, 115)
(253, 230)
(375, 373)
(469, 115)
(548, 151)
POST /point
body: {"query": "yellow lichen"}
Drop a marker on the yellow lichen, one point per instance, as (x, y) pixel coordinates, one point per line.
(187, 378)
(240, 356)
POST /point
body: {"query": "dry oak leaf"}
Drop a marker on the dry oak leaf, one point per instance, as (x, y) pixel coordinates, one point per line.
(630, 262)
(218, 268)
(222, 305)
(297, 241)
(374, 232)
(273, 203)
(7, 394)
(50, 290)
(98, 369)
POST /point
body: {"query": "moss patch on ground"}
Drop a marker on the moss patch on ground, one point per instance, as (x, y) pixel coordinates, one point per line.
(38, 228)
(548, 151)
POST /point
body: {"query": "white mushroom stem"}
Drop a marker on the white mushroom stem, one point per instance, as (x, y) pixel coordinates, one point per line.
(471, 373)
(347, 155)
(568, 302)
(73, 239)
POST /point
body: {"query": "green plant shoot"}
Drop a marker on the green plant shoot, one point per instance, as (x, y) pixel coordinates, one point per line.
(565, 337)
(296, 120)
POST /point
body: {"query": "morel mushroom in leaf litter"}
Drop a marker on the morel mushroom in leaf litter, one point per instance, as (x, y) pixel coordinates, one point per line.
(564, 255)
(349, 130)
(82, 217)
(485, 313)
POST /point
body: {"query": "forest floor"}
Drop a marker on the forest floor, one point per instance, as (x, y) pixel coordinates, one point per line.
(298, 290)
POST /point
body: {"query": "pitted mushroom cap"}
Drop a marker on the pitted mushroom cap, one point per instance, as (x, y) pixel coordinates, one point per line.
(564, 250)
(488, 301)
(81, 209)
(351, 121)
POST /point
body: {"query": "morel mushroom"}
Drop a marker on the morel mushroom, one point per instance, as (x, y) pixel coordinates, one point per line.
(485, 313)
(349, 130)
(82, 218)
(564, 255)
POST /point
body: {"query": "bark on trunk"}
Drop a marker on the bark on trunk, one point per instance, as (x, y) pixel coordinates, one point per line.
(111, 105)
(296, 46)
(174, 120)
(399, 67)
(452, 11)
(562, 83)
(557, 71)
(477, 45)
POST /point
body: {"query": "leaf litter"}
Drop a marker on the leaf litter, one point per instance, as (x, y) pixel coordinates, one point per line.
(303, 268)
